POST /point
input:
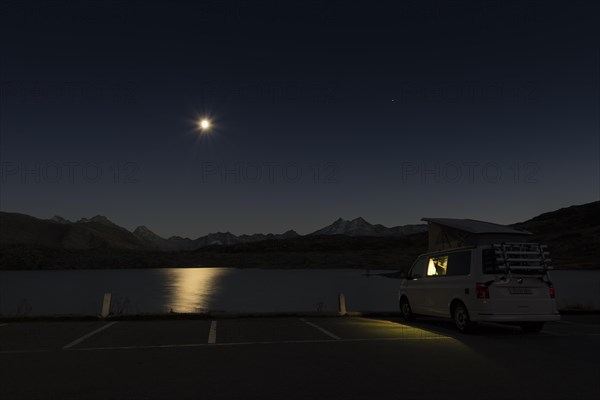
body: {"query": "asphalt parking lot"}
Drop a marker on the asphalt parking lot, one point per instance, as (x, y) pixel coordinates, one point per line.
(297, 358)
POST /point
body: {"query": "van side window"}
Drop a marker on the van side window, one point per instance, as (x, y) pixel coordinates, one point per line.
(459, 263)
(437, 266)
(418, 269)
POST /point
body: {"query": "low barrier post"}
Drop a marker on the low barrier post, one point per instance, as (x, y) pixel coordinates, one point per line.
(342, 303)
(106, 305)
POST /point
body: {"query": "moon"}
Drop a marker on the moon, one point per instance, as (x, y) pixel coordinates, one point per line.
(204, 124)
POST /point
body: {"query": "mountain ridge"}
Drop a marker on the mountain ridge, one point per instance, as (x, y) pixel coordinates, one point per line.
(571, 233)
(360, 227)
(100, 232)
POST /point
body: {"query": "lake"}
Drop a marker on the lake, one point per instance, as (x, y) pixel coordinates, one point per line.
(186, 290)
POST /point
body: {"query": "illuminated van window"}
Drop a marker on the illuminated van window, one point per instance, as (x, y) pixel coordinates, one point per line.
(437, 266)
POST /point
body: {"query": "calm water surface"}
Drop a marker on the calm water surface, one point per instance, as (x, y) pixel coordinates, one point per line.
(192, 290)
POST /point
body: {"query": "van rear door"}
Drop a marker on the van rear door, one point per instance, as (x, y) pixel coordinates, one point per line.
(522, 291)
(521, 296)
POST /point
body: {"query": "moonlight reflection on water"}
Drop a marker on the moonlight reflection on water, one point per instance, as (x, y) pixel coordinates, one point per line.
(191, 289)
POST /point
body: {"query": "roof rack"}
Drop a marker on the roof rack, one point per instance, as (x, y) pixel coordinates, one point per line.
(522, 256)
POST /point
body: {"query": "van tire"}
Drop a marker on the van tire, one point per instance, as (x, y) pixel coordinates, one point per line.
(406, 310)
(460, 316)
(532, 327)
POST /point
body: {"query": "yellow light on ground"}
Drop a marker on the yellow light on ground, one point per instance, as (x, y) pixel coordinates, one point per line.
(204, 124)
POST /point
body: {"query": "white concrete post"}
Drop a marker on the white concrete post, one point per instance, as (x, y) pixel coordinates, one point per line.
(342, 303)
(106, 305)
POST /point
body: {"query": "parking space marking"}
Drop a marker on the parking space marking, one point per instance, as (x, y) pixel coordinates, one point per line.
(212, 334)
(325, 331)
(81, 339)
(191, 345)
(1, 325)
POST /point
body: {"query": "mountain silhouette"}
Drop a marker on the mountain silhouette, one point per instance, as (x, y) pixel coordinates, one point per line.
(572, 235)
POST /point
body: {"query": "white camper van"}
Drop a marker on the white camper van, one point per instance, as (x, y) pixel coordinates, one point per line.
(478, 271)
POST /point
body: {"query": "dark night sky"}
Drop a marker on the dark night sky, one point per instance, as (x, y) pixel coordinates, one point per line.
(391, 111)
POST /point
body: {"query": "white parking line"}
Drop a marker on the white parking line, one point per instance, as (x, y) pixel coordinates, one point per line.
(175, 346)
(212, 334)
(325, 331)
(3, 324)
(81, 339)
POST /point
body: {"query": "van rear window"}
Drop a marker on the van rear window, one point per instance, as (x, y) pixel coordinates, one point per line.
(457, 263)
(490, 265)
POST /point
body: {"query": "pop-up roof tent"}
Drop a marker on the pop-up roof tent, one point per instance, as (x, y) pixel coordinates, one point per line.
(449, 233)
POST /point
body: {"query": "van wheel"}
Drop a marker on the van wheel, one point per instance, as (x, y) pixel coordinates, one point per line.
(405, 310)
(460, 315)
(532, 327)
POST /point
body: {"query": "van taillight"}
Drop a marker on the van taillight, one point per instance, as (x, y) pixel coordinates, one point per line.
(552, 292)
(482, 291)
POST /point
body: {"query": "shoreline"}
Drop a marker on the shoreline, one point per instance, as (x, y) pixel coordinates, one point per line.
(394, 271)
(232, 315)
